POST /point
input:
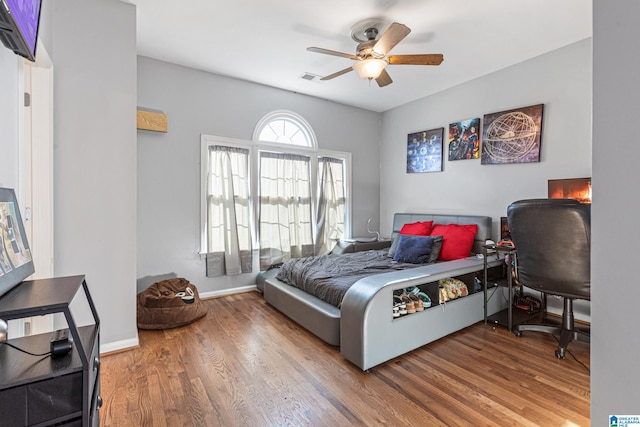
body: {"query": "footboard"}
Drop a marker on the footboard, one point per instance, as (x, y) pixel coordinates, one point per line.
(369, 335)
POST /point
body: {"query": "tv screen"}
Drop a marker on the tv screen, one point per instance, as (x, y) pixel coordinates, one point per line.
(19, 23)
(16, 263)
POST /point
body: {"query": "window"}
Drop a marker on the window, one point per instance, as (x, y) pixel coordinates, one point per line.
(332, 202)
(228, 227)
(286, 128)
(285, 217)
(291, 199)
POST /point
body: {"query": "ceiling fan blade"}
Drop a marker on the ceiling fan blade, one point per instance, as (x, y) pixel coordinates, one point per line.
(331, 52)
(426, 59)
(384, 79)
(337, 74)
(391, 37)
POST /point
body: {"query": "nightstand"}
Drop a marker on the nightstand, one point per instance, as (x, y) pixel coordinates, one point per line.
(47, 390)
(506, 317)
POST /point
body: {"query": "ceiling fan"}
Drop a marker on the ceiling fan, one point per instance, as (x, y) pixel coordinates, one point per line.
(372, 52)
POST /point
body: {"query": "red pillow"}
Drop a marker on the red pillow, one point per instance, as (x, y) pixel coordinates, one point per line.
(417, 228)
(457, 240)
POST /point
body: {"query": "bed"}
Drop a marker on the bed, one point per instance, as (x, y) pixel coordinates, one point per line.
(363, 326)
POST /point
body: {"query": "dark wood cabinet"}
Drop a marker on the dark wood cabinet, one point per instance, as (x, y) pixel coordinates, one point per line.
(46, 390)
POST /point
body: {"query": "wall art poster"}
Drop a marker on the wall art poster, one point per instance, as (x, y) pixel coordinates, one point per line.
(424, 151)
(464, 139)
(512, 136)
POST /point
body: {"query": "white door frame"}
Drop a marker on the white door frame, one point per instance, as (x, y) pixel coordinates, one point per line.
(36, 177)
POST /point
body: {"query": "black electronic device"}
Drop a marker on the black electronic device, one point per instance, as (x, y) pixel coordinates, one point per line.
(19, 25)
(61, 343)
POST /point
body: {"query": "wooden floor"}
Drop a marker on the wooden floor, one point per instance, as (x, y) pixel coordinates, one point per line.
(245, 364)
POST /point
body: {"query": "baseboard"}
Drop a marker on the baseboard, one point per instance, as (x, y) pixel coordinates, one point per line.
(217, 294)
(557, 315)
(118, 346)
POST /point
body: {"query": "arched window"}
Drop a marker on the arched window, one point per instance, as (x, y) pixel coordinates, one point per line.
(278, 193)
(285, 127)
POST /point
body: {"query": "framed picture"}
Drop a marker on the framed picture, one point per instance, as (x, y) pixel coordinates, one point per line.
(512, 136)
(424, 151)
(464, 140)
(16, 263)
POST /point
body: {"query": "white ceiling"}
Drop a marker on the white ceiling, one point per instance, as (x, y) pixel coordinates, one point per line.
(265, 41)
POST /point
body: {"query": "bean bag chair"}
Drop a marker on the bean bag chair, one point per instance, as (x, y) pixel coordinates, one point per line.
(169, 304)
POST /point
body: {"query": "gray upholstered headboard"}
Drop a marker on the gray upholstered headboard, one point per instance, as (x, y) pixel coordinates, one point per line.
(483, 222)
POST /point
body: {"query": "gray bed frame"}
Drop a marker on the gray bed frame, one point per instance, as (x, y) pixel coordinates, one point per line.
(364, 327)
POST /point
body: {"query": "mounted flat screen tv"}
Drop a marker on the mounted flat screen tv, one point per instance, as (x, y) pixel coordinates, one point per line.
(19, 24)
(16, 263)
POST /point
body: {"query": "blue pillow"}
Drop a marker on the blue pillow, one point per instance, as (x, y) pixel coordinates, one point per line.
(413, 249)
(394, 246)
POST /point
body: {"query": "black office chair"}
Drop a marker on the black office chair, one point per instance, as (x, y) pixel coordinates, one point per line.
(553, 243)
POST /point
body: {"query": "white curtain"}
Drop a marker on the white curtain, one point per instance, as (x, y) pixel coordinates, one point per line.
(229, 233)
(331, 204)
(285, 208)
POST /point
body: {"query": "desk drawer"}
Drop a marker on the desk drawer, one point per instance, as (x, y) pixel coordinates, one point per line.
(13, 407)
(54, 398)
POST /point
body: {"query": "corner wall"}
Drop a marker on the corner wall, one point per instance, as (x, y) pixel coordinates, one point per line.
(615, 346)
(94, 52)
(169, 188)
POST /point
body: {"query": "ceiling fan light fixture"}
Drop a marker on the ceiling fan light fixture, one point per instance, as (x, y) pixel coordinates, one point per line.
(369, 68)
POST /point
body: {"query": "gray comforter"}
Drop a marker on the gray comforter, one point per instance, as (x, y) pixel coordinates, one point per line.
(328, 277)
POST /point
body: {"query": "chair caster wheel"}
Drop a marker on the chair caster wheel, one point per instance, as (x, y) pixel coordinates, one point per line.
(560, 354)
(518, 334)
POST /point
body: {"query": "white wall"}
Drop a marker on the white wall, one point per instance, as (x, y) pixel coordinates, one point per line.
(94, 52)
(615, 372)
(561, 80)
(11, 89)
(169, 164)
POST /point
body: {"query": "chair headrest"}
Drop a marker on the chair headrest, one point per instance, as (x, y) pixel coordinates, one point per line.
(553, 244)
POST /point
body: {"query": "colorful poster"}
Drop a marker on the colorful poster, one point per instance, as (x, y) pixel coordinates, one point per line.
(464, 140)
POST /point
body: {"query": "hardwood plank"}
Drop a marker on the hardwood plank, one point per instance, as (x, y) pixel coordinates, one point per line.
(246, 364)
